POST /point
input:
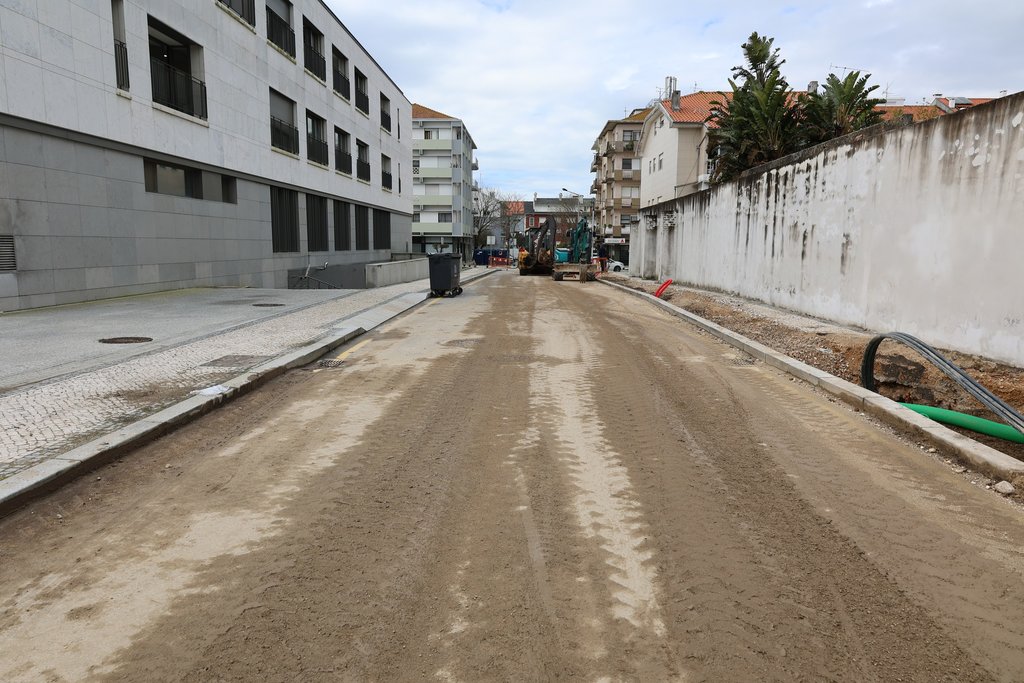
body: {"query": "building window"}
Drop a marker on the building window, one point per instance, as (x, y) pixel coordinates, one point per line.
(416, 217)
(316, 223)
(627, 164)
(362, 228)
(316, 140)
(428, 135)
(284, 220)
(444, 217)
(342, 226)
(342, 151)
(313, 50)
(283, 132)
(279, 25)
(339, 63)
(385, 113)
(245, 9)
(381, 229)
(185, 181)
(385, 171)
(362, 161)
(176, 67)
(661, 161)
(120, 47)
(362, 93)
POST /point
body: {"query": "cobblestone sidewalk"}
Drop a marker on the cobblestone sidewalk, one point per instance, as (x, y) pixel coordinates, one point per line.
(42, 420)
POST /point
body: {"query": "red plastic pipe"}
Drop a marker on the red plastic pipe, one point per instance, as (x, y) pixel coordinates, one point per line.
(661, 290)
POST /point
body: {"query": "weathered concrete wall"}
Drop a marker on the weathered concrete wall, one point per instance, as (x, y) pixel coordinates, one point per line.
(916, 229)
(395, 272)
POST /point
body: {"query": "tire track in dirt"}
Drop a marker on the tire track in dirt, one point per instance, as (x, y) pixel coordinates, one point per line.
(604, 502)
(810, 601)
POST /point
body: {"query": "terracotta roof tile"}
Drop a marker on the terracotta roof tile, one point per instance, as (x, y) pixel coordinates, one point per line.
(421, 112)
(695, 107)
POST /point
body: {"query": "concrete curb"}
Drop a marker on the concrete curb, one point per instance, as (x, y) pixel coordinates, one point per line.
(981, 457)
(52, 473)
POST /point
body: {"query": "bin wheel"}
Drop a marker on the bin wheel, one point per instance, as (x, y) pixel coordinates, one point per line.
(436, 293)
(458, 290)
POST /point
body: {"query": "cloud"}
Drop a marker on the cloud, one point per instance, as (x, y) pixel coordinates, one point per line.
(535, 81)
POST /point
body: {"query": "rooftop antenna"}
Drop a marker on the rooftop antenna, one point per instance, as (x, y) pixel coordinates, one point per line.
(845, 68)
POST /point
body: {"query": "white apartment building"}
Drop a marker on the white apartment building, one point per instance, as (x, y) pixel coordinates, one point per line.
(443, 165)
(148, 145)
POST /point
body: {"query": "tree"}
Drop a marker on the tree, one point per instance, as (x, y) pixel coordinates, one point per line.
(489, 216)
(760, 122)
(842, 107)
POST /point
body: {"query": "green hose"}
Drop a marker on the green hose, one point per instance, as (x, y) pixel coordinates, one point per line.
(975, 424)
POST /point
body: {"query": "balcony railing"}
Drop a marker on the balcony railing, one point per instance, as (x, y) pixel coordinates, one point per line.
(363, 170)
(362, 102)
(385, 121)
(315, 62)
(246, 9)
(316, 149)
(121, 64)
(385, 180)
(284, 135)
(177, 89)
(342, 161)
(341, 85)
(280, 32)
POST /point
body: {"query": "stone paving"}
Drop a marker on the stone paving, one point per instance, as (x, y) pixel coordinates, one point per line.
(41, 420)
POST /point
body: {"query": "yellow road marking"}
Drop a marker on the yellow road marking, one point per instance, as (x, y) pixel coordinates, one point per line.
(344, 354)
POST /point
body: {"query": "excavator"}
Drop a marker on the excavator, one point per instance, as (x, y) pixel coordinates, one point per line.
(542, 257)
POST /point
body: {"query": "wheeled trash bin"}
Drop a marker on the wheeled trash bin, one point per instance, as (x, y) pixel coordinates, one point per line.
(444, 274)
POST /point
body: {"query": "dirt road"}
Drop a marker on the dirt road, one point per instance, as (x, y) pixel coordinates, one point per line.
(532, 481)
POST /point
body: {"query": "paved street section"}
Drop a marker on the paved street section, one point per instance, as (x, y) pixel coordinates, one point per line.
(532, 481)
(63, 386)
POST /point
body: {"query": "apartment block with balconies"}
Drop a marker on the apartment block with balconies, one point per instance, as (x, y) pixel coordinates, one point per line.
(616, 186)
(443, 163)
(155, 144)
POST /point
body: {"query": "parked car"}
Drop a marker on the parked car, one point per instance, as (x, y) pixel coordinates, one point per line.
(616, 266)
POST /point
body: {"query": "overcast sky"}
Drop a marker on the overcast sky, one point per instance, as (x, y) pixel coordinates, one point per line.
(535, 81)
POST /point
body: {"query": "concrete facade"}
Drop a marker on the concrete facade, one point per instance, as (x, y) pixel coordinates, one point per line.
(84, 147)
(913, 229)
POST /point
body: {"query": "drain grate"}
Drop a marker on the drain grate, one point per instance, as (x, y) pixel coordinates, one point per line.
(331, 363)
(125, 340)
(267, 305)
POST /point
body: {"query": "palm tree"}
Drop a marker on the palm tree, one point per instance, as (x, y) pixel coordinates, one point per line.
(760, 122)
(842, 106)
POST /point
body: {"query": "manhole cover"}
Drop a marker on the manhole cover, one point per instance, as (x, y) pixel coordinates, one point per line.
(267, 305)
(125, 340)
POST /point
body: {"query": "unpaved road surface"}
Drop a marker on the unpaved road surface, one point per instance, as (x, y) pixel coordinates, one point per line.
(532, 481)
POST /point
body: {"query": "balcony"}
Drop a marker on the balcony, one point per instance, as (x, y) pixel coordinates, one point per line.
(363, 170)
(428, 172)
(362, 101)
(342, 161)
(342, 85)
(121, 64)
(177, 89)
(316, 149)
(284, 135)
(314, 62)
(385, 121)
(280, 33)
(385, 180)
(245, 9)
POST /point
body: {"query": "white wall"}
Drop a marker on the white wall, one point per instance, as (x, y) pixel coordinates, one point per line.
(917, 230)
